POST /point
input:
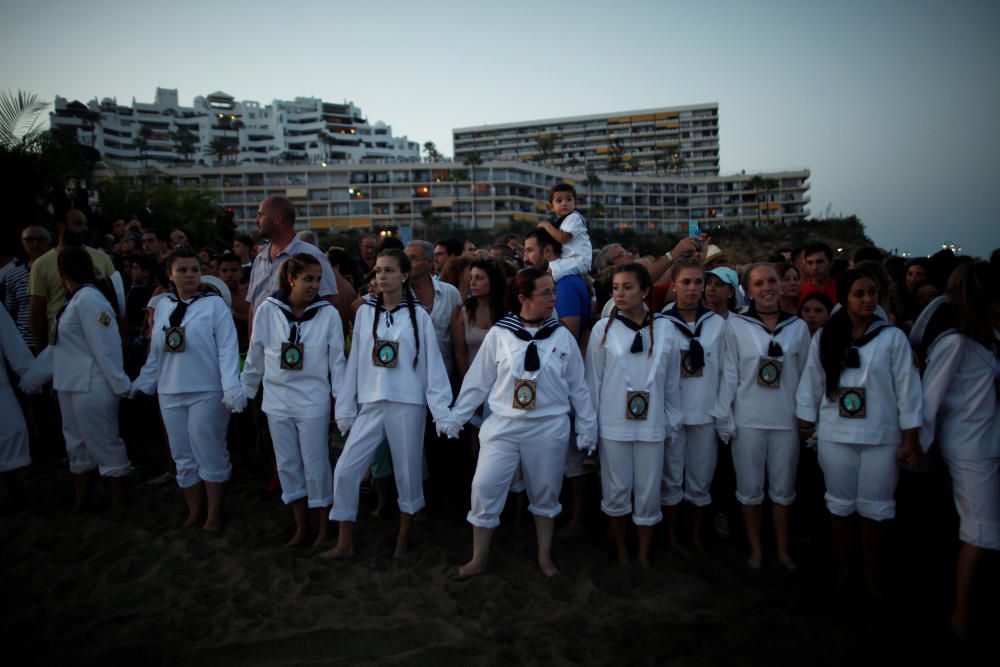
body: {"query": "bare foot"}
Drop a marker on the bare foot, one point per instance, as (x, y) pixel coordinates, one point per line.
(322, 538)
(296, 538)
(378, 512)
(467, 571)
(699, 548)
(337, 553)
(192, 520)
(212, 525)
(548, 569)
(756, 561)
(787, 561)
(645, 563)
(401, 550)
(623, 559)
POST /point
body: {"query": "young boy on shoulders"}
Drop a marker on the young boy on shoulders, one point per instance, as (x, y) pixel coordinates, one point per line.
(571, 232)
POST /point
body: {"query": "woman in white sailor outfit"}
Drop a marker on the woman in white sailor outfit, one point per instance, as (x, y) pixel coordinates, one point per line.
(529, 367)
(394, 373)
(766, 350)
(297, 348)
(14, 451)
(861, 384)
(961, 418)
(690, 456)
(633, 372)
(193, 365)
(87, 372)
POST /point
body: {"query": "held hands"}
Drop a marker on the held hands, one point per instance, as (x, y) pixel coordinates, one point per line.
(29, 387)
(448, 428)
(909, 454)
(344, 425)
(235, 400)
(724, 429)
(585, 444)
(133, 391)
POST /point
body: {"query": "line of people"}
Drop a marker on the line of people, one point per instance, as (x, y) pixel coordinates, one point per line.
(651, 393)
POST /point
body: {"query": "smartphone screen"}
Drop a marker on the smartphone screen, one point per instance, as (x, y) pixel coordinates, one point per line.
(693, 228)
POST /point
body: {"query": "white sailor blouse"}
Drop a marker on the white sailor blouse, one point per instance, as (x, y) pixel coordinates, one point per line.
(301, 360)
(382, 369)
(701, 351)
(637, 395)
(192, 348)
(761, 371)
(879, 396)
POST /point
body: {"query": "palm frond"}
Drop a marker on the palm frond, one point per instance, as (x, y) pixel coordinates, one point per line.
(20, 119)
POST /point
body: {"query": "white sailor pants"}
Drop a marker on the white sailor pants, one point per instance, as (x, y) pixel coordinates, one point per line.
(303, 457)
(14, 450)
(90, 427)
(689, 466)
(538, 446)
(770, 453)
(627, 468)
(859, 478)
(976, 488)
(196, 424)
(402, 424)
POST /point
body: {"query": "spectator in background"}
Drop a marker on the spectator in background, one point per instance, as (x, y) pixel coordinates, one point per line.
(152, 245)
(917, 269)
(45, 287)
(230, 271)
(243, 248)
(444, 251)
(818, 260)
(36, 241)
(788, 292)
(456, 273)
(366, 253)
(179, 239)
(470, 248)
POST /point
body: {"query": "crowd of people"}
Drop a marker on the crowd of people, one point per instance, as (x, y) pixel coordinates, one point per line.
(682, 380)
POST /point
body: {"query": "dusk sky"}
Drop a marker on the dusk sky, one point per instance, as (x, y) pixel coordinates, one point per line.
(893, 106)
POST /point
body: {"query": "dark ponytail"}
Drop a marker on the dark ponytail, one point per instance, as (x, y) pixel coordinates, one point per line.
(835, 338)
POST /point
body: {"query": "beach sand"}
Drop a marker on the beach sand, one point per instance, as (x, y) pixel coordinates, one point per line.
(142, 590)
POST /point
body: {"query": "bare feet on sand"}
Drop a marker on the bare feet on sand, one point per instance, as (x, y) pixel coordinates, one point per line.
(212, 524)
(548, 568)
(337, 553)
(467, 571)
(756, 561)
(787, 561)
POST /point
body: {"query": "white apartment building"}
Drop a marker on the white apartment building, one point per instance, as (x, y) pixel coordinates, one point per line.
(675, 141)
(493, 195)
(218, 130)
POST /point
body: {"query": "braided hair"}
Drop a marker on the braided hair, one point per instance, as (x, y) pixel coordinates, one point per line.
(411, 303)
(645, 282)
(836, 336)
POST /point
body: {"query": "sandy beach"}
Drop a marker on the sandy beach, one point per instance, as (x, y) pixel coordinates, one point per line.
(142, 590)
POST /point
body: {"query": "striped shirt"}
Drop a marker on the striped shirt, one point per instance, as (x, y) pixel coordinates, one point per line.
(16, 301)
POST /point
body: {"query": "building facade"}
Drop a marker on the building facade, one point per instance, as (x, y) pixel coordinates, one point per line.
(675, 141)
(493, 195)
(219, 130)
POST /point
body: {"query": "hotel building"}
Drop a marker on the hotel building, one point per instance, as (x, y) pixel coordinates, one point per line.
(218, 130)
(675, 141)
(493, 195)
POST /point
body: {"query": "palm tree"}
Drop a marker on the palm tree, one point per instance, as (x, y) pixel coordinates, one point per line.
(220, 148)
(141, 143)
(473, 160)
(756, 184)
(184, 142)
(432, 152)
(546, 144)
(20, 129)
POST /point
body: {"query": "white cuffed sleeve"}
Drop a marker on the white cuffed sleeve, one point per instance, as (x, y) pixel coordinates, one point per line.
(347, 390)
(228, 346)
(812, 385)
(943, 359)
(438, 386)
(253, 365)
(909, 393)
